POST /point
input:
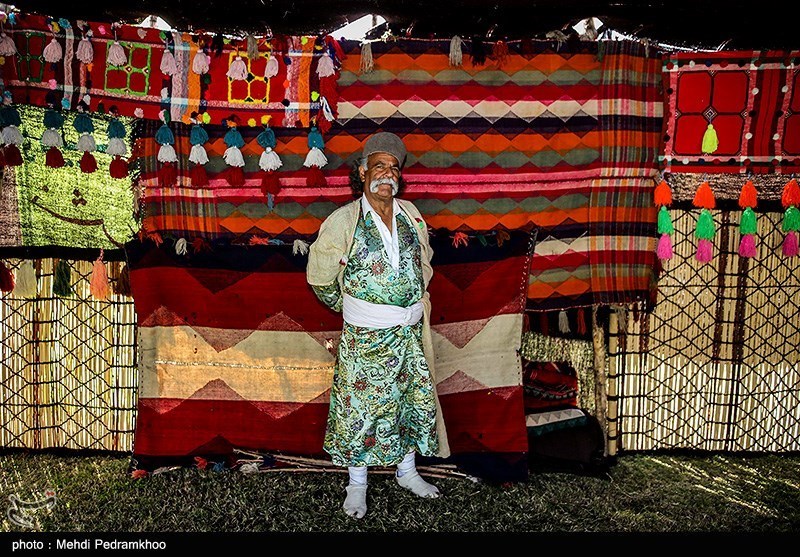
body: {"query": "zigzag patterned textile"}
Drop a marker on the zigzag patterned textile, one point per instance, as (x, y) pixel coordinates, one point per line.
(289, 98)
(41, 206)
(236, 351)
(515, 144)
(752, 100)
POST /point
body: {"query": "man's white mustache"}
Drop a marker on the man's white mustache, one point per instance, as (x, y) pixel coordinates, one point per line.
(373, 185)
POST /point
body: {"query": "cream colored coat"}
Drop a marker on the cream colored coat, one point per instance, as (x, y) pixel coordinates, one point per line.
(327, 257)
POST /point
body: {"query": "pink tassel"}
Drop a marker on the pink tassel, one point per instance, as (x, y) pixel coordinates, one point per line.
(98, 285)
(705, 251)
(460, 239)
(790, 247)
(664, 249)
(747, 245)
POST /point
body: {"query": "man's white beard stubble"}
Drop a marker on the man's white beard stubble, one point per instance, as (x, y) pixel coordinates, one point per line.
(373, 185)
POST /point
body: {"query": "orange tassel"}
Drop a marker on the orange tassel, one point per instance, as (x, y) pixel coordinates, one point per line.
(98, 285)
(791, 194)
(704, 197)
(663, 194)
(749, 196)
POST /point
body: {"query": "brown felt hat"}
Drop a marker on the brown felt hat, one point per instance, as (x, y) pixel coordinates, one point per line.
(386, 142)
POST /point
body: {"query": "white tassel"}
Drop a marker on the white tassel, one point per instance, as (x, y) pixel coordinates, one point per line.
(86, 143)
(270, 160)
(238, 70)
(116, 146)
(563, 322)
(85, 53)
(180, 246)
(11, 134)
(367, 63)
(166, 153)
(272, 67)
(233, 156)
(200, 63)
(299, 246)
(25, 285)
(7, 46)
(590, 33)
(168, 65)
(315, 157)
(325, 67)
(116, 55)
(252, 47)
(198, 154)
(326, 109)
(51, 138)
(455, 51)
(53, 52)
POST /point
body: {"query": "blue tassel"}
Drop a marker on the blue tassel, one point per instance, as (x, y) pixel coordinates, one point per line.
(198, 135)
(11, 116)
(164, 136)
(53, 119)
(83, 124)
(233, 138)
(116, 129)
(315, 139)
(266, 138)
(270, 201)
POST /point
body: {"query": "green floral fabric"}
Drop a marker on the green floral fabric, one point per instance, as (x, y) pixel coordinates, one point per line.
(382, 402)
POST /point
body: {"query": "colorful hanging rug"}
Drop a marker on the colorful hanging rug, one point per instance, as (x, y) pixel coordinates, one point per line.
(236, 351)
(41, 206)
(513, 144)
(137, 85)
(751, 99)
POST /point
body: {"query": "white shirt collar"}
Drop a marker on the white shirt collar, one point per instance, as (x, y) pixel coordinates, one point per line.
(391, 243)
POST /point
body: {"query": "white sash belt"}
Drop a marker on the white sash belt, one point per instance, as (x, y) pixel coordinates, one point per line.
(361, 313)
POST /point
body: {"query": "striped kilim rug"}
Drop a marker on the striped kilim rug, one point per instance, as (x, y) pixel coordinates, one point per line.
(520, 143)
(236, 351)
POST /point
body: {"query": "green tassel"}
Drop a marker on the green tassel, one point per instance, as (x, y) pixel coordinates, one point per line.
(705, 226)
(664, 221)
(791, 219)
(710, 142)
(62, 279)
(748, 223)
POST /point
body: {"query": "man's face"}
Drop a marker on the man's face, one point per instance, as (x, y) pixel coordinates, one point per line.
(381, 178)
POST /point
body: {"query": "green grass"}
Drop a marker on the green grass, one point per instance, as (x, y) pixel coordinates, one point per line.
(639, 493)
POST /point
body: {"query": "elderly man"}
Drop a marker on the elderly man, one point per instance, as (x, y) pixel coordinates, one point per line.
(371, 261)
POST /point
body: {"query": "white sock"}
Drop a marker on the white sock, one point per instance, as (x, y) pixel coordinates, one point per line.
(407, 465)
(358, 475)
(408, 477)
(355, 504)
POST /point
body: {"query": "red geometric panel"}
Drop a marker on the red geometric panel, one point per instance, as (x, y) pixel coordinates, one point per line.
(749, 97)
